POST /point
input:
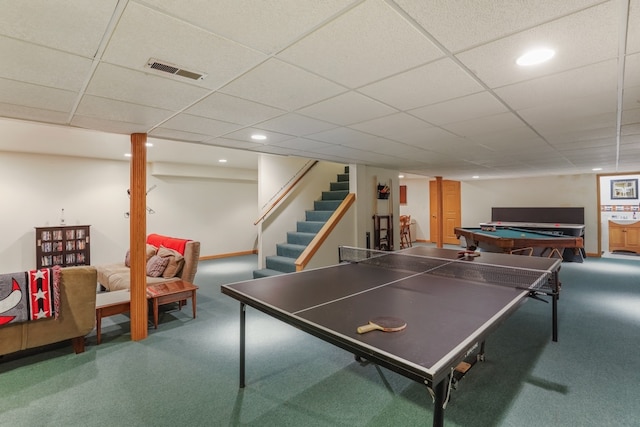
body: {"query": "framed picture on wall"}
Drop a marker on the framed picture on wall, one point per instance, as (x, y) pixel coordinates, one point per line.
(624, 189)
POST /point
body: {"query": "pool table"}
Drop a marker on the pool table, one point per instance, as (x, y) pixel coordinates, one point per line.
(519, 241)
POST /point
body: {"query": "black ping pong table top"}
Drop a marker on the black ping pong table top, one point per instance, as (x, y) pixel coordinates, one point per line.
(447, 318)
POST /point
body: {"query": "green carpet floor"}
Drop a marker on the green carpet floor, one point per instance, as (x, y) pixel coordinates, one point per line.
(186, 372)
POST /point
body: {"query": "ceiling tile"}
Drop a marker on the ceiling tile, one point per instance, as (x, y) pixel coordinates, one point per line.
(580, 39)
(112, 126)
(42, 66)
(33, 114)
(461, 109)
(376, 41)
(459, 24)
(111, 110)
(202, 125)
(392, 125)
(633, 31)
(58, 24)
(577, 83)
(231, 109)
(142, 33)
(18, 93)
(295, 124)
(304, 144)
(484, 125)
(266, 25)
(573, 114)
(145, 89)
(178, 135)
(245, 135)
(281, 85)
(425, 85)
(348, 108)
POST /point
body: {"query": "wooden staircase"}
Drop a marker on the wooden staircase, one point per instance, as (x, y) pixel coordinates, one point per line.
(287, 253)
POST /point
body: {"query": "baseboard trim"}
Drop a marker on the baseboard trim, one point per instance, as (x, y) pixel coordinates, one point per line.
(228, 255)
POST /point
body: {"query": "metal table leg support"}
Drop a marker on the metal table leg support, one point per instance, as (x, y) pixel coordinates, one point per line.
(242, 342)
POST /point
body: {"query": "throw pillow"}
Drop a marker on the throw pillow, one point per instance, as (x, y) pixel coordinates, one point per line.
(151, 251)
(176, 262)
(127, 259)
(156, 266)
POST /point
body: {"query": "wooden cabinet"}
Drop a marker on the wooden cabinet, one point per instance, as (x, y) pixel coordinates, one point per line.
(624, 237)
(65, 246)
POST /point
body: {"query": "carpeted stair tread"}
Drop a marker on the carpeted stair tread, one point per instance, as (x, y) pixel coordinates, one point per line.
(335, 195)
(281, 263)
(309, 226)
(266, 272)
(326, 205)
(318, 215)
(290, 250)
(339, 186)
(298, 238)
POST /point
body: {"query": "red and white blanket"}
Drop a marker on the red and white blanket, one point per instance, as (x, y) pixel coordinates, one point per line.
(29, 295)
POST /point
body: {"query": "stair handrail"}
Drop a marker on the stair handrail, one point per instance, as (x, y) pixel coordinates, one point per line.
(327, 228)
(305, 169)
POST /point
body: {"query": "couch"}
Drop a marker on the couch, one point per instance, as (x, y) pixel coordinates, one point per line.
(76, 317)
(115, 277)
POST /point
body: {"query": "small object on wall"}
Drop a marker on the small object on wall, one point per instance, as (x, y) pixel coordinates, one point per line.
(149, 210)
(62, 217)
(383, 191)
(624, 189)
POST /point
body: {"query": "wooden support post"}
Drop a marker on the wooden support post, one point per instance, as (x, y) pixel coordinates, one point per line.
(137, 236)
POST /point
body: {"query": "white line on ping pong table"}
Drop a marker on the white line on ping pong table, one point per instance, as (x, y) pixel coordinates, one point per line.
(374, 288)
(447, 262)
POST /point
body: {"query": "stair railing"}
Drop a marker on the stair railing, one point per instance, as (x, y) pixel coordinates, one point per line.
(324, 232)
(281, 194)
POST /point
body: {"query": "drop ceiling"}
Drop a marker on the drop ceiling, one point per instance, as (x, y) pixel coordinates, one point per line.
(424, 87)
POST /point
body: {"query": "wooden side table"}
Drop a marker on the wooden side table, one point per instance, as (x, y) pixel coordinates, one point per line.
(165, 293)
(110, 304)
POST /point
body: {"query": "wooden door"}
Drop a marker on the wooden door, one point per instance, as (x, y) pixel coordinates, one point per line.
(451, 209)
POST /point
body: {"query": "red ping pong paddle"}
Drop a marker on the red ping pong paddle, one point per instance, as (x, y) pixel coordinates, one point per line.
(384, 324)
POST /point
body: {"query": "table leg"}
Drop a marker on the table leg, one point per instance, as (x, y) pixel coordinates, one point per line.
(193, 302)
(554, 315)
(242, 345)
(438, 404)
(98, 325)
(155, 313)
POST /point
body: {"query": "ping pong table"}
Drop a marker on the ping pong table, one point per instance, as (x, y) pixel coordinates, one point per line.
(450, 304)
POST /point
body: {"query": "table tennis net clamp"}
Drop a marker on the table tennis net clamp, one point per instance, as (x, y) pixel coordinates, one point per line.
(537, 282)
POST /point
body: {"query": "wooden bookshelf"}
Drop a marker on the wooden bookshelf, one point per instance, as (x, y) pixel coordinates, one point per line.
(65, 246)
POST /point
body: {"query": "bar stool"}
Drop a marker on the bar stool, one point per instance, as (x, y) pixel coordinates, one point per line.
(405, 231)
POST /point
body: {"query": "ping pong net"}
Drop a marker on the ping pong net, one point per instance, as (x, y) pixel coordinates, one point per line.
(515, 277)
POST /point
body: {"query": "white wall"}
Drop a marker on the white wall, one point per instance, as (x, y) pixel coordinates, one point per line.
(34, 188)
(417, 206)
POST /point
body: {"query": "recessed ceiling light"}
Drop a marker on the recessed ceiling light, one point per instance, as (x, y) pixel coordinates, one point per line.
(127, 154)
(258, 137)
(535, 56)
(222, 161)
(475, 176)
(596, 169)
(148, 144)
(400, 176)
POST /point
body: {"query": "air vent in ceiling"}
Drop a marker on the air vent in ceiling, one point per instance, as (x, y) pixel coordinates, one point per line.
(167, 67)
